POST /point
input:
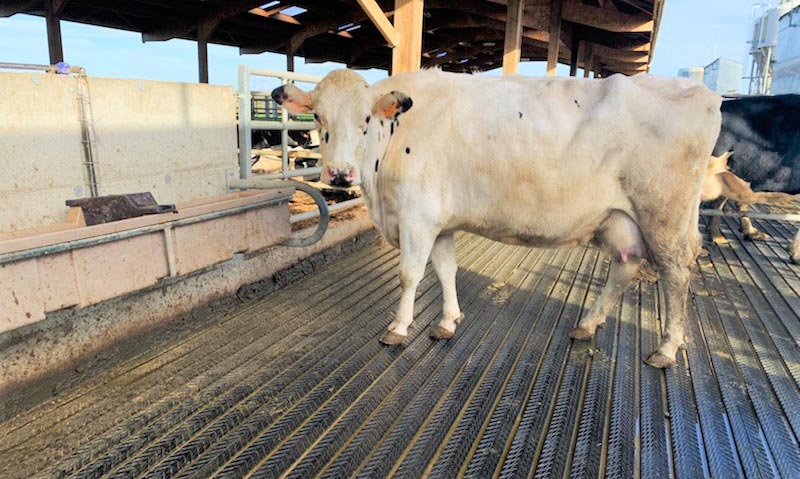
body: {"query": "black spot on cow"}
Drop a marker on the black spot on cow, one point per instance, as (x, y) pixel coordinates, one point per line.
(391, 129)
(520, 114)
(408, 150)
(327, 137)
(576, 103)
(367, 119)
(376, 165)
(381, 123)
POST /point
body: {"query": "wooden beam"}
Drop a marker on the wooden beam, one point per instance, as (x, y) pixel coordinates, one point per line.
(512, 45)
(624, 55)
(606, 18)
(384, 26)
(555, 35)
(53, 22)
(12, 7)
(318, 28)
(407, 55)
(225, 10)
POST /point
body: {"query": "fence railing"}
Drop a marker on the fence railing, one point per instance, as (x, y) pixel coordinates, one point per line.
(246, 126)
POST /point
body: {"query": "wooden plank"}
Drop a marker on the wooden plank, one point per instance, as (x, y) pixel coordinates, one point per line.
(512, 46)
(605, 18)
(555, 33)
(12, 7)
(375, 13)
(407, 55)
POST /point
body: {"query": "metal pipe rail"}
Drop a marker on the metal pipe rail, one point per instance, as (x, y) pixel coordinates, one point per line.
(246, 122)
(752, 214)
(323, 211)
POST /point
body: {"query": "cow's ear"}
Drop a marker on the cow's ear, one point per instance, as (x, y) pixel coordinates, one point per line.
(718, 164)
(391, 105)
(295, 100)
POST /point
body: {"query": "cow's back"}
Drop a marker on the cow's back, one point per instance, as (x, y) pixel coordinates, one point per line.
(568, 149)
(763, 134)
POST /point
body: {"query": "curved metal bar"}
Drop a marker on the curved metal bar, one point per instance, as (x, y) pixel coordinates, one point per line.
(324, 212)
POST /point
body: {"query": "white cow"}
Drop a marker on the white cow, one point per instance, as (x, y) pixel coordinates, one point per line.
(552, 162)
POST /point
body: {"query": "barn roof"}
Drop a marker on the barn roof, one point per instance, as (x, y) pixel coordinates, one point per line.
(457, 34)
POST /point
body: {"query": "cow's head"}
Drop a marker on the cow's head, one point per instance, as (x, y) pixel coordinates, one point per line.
(343, 106)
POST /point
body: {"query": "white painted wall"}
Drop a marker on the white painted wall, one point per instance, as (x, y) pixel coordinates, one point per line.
(173, 139)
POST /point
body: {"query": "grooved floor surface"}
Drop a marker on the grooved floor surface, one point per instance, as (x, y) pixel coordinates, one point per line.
(296, 384)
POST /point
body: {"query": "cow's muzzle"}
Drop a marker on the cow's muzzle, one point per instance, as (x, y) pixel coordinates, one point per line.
(343, 177)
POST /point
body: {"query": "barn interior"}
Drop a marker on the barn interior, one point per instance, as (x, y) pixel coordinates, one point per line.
(233, 339)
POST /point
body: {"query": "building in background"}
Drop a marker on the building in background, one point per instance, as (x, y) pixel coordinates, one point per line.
(693, 73)
(763, 41)
(786, 69)
(723, 76)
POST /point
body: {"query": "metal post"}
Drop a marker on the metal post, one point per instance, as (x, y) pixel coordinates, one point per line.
(284, 137)
(245, 117)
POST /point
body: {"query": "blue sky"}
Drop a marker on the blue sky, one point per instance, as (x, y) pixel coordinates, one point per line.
(693, 33)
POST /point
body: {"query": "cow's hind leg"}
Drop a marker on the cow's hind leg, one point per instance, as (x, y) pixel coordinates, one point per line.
(675, 277)
(620, 238)
(750, 232)
(415, 249)
(443, 258)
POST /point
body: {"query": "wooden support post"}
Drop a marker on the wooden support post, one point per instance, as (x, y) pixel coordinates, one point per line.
(204, 31)
(53, 32)
(595, 66)
(406, 57)
(512, 47)
(587, 59)
(555, 37)
(573, 55)
(202, 60)
(289, 60)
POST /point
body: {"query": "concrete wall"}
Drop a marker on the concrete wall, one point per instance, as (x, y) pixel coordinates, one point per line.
(173, 139)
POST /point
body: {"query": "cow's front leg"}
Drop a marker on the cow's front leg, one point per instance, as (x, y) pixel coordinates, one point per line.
(714, 232)
(444, 262)
(415, 249)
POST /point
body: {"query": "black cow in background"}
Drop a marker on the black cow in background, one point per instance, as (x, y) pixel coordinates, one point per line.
(763, 134)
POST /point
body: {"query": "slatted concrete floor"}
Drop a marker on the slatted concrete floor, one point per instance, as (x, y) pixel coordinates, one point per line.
(296, 384)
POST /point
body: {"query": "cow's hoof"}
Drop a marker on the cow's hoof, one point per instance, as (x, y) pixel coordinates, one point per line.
(756, 236)
(438, 332)
(581, 334)
(390, 338)
(460, 318)
(658, 360)
(719, 239)
(703, 253)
